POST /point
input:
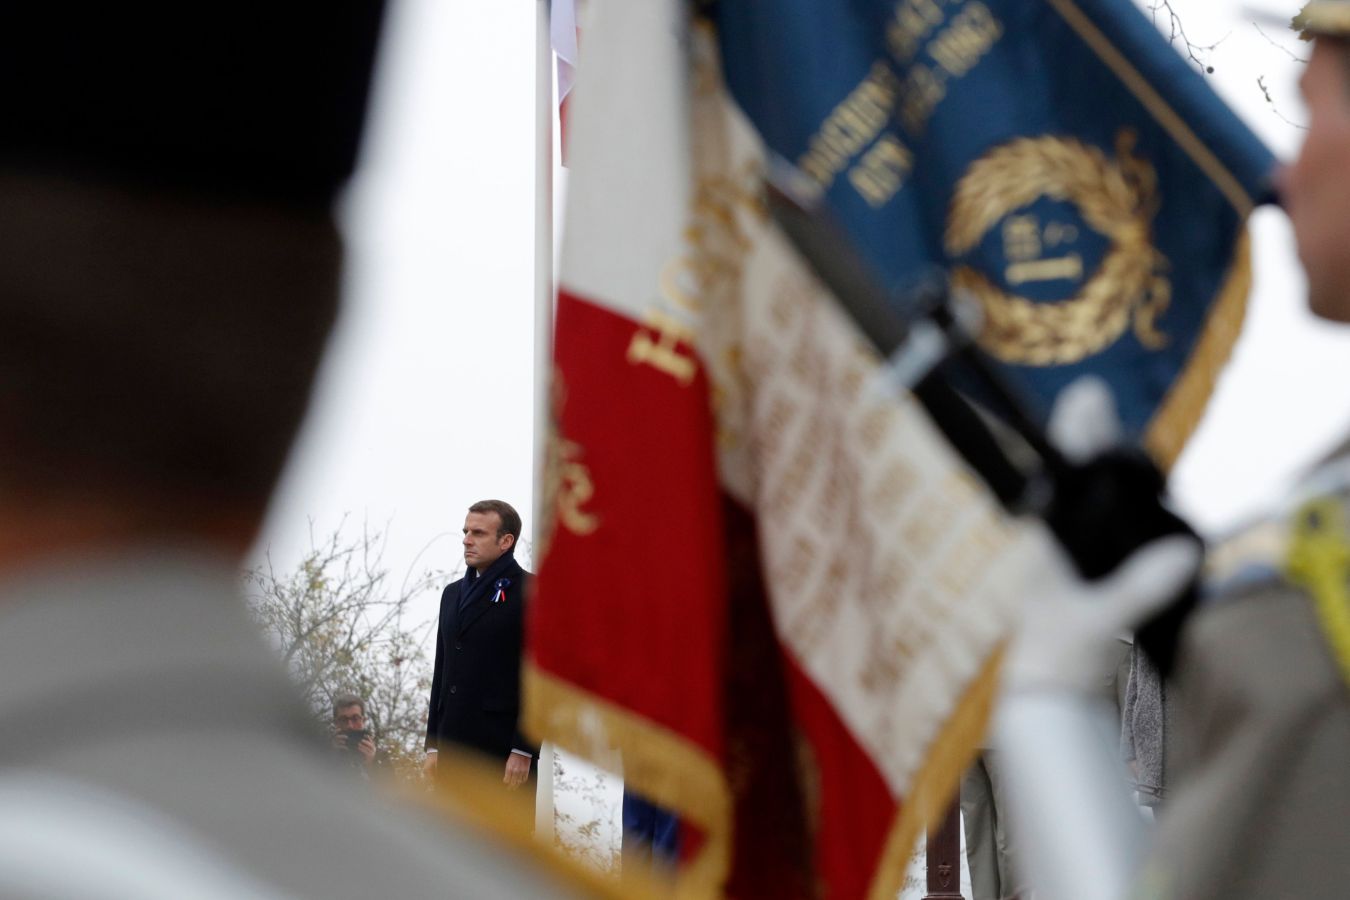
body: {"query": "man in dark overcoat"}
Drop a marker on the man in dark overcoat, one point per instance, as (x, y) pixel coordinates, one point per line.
(475, 691)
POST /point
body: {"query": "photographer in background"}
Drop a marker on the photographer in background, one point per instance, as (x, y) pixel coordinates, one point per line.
(352, 741)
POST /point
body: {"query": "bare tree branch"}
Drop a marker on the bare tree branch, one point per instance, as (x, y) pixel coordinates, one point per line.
(340, 629)
(1277, 45)
(1198, 54)
(1265, 91)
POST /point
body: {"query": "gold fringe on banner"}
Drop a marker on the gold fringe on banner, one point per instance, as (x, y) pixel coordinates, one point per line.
(1180, 412)
(1160, 109)
(937, 781)
(1176, 420)
(664, 767)
(470, 793)
(957, 745)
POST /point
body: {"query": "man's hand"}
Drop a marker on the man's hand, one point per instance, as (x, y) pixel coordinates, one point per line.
(367, 750)
(1069, 627)
(339, 740)
(429, 764)
(517, 770)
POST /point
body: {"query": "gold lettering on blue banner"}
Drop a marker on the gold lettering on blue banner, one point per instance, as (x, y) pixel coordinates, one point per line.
(1063, 268)
(1022, 238)
(964, 42)
(924, 88)
(912, 22)
(851, 126)
(955, 48)
(882, 171)
(855, 138)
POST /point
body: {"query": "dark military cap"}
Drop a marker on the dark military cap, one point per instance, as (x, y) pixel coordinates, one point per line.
(256, 100)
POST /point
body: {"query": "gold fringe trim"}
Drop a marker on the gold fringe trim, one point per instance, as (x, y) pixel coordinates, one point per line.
(1180, 414)
(660, 764)
(938, 779)
(1181, 409)
(471, 795)
(1167, 117)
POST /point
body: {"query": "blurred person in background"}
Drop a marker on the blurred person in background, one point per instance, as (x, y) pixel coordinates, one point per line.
(169, 280)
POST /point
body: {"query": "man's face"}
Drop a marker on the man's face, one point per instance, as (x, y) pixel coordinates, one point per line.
(350, 718)
(1316, 188)
(482, 546)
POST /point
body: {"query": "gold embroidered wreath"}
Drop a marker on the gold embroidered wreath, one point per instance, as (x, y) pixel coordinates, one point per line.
(1116, 199)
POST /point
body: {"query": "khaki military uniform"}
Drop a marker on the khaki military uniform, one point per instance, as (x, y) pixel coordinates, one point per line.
(152, 748)
(1263, 750)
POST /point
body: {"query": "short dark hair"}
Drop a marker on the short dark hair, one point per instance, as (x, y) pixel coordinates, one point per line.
(510, 519)
(342, 701)
(156, 346)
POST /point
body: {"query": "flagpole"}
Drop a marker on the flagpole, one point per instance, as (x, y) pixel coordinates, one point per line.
(543, 333)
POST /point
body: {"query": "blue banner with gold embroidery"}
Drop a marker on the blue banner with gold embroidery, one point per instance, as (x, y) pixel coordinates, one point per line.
(1064, 164)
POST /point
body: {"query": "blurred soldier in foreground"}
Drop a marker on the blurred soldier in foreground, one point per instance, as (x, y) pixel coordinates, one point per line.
(1263, 676)
(169, 278)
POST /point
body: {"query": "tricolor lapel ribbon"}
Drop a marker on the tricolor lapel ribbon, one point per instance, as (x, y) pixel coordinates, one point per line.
(501, 586)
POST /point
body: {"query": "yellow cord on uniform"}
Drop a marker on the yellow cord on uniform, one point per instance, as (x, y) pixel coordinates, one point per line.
(1319, 561)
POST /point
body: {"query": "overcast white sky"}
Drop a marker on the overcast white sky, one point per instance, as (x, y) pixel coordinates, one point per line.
(424, 405)
(425, 402)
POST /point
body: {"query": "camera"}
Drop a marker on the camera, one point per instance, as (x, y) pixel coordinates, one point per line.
(354, 738)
